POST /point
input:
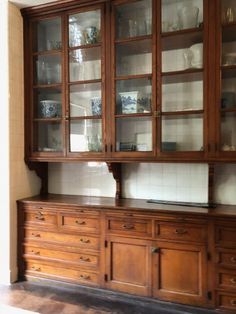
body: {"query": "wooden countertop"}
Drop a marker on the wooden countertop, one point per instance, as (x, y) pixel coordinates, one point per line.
(128, 204)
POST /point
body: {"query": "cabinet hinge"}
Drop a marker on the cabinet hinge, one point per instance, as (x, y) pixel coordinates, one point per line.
(209, 295)
(208, 256)
(105, 243)
(105, 277)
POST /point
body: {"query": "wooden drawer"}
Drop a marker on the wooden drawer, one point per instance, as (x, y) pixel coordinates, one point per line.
(225, 235)
(70, 240)
(226, 258)
(40, 269)
(226, 301)
(226, 279)
(80, 223)
(40, 217)
(55, 253)
(138, 227)
(180, 232)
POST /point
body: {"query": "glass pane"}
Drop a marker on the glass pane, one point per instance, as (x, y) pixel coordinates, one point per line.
(182, 133)
(85, 64)
(133, 96)
(181, 14)
(134, 58)
(134, 19)
(134, 134)
(228, 8)
(228, 131)
(86, 135)
(85, 100)
(48, 69)
(48, 137)
(84, 28)
(182, 96)
(229, 45)
(47, 35)
(183, 59)
(228, 95)
(47, 103)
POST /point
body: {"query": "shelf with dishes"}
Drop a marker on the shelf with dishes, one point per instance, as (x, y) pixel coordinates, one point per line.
(181, 39)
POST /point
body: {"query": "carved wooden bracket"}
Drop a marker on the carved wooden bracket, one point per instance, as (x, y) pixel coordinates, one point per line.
(41, 169)
(211, 173)
(115, 169)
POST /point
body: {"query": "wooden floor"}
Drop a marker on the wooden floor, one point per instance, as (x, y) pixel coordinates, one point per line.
(54, 299)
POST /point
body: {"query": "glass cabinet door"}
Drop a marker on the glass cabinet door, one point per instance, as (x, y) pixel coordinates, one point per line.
(86, 99)
(227, 95)
(133, 78)
(181, 113)
(47, 86)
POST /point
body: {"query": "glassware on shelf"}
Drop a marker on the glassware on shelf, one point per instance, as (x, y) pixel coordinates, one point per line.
(229, 15)
(188, 15)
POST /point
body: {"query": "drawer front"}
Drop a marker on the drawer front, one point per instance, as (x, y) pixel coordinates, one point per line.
(60, 273)
(226, 258)
(225, 235)
(40, 217)
(227, 280)
(80, 223)
(130, 226)
(226, 301)
(85, 242)
(179, 231)
(87, 260)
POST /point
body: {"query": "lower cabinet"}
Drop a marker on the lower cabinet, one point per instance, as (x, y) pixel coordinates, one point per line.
(128, 265)
(177, 257)
(180, 273)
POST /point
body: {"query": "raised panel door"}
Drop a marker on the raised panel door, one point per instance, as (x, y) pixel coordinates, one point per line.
(128, 265)
(179, 273)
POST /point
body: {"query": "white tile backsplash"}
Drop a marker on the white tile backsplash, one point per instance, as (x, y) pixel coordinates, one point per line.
(165, 181)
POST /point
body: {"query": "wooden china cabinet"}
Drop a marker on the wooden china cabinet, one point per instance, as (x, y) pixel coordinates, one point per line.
(122, 81)
(130, 80)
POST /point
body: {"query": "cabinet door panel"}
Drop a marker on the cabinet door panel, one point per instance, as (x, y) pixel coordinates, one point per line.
(128, 265)
(171, 281)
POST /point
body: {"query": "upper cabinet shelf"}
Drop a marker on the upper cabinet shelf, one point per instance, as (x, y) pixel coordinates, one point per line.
(141, 80)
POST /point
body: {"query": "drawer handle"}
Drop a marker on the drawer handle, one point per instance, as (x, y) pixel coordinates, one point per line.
(80, 222)
(233, 302)
(36, 235)
(84, 259)
(128, 227)
(39, 216)
(84, 241)
(233, 259)
(181, 231)
(86, 277)
(233, 280)
(36, 268)
(35, 252)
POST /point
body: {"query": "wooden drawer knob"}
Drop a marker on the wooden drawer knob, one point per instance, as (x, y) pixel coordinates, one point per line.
(36, 268)
(35, 252)
(233, 280)
(233, 302)
(39, 216)
(80, 222)
(85, 277)
(233, 259)
(181, 231)
(36, 235)
(128, 226)
(84, 240)
(84, 259)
